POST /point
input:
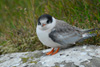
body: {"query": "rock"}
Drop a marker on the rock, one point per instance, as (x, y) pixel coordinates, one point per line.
(79, 56)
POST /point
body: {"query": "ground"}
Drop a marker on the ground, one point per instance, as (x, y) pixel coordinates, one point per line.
(79, 56)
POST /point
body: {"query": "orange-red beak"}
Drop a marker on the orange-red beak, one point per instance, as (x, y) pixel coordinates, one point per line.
(43, 25)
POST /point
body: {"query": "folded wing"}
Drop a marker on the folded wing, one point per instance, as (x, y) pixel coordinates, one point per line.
(64, 33)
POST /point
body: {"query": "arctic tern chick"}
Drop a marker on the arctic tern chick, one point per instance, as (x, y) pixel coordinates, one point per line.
(57, 33)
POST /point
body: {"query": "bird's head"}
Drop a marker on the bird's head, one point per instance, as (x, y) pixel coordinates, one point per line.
(46, 22)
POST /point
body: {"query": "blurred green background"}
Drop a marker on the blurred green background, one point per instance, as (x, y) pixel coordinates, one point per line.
(18, 19)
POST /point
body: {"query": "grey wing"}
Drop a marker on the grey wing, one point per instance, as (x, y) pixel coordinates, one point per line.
(64, 33)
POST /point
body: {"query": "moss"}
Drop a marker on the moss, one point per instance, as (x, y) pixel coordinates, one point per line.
(25, 59)
(14, 66)
(32, 57)
(26, 54)
(56, 66)
(1, 61)
(33, 62)
(37, 55)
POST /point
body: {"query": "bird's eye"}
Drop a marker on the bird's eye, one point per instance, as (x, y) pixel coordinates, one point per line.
(47, 21)
(39, 23)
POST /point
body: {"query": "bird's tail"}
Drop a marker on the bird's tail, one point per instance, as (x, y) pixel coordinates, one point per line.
(86, 36)
(94, 29)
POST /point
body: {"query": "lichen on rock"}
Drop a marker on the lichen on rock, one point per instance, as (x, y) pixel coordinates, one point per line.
(79, 56)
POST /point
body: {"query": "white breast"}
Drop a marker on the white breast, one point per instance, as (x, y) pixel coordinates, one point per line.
(45, 39)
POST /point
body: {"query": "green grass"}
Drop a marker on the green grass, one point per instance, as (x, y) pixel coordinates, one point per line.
(18, 20)
(17, 28)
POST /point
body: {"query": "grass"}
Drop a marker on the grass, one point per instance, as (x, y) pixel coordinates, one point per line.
(18, 21)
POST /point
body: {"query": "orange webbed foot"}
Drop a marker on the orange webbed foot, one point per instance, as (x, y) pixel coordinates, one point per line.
(56, 51)
(50, 52)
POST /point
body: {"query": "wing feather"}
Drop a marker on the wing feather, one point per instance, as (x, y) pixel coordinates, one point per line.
(63, 33)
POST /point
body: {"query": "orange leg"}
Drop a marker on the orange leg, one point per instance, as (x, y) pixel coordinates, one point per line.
(50, 52)
(56, 51)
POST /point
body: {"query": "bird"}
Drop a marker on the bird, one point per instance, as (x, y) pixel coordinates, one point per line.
(58, 34)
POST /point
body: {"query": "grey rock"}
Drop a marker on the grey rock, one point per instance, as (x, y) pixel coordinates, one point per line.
(94, 62)
(79, 56)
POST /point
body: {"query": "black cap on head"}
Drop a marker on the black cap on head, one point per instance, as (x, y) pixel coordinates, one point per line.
(49, 18)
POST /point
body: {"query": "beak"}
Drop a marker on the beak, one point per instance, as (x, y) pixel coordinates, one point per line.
(43, 25)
